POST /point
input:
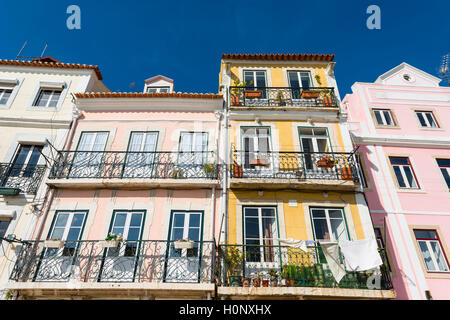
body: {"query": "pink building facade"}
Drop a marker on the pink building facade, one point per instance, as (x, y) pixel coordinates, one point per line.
(141, 167)
(401, 125)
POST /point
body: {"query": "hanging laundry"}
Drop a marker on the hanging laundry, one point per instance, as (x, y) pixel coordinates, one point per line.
(331, 252)
(360, 255)
(300, 244)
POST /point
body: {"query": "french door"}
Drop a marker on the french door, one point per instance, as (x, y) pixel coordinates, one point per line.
(140, 158)
(193, 154)
(256, 81)
(256, 156)
(184, 265)
(58, 264)
(25, 161)
(120, 263)
(298, 81)
(315, 145)
(87, 160)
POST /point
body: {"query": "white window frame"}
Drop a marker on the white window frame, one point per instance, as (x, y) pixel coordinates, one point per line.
(383, 117)
(402, 172)
(158, 89)
(9, 84)
(427, 121)
(49, 85)
(311, 83)
(327, 218)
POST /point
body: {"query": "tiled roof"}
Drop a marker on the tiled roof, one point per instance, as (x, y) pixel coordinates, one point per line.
(280, 57)
(90, 95)
(52, 65)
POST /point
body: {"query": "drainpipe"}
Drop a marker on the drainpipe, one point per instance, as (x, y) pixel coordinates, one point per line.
(52, 191)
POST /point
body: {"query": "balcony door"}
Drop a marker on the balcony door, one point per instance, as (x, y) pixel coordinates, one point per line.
(256, 156)
(260, 231)
(119, 264)
(299, 80)
(87, 162)
(140, 157)
(184, 265)
(192, 155)
(256, 81)
(59, 264)
(315, 144)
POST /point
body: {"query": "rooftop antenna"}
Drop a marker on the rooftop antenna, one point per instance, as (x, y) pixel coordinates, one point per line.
(444, 71)
(45, 48)
(18, 55)
(30, 57)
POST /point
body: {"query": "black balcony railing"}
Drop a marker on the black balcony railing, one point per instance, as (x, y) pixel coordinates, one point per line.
(115, 164)
(129, 261)
(23, 177)
(283, 97)
(294, 165)
(288, 266)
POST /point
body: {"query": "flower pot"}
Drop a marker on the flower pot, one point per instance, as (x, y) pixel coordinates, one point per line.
(258, 162)
(183, 244)
(235, 281)
(237, 171)
(274, 282)
(327, 102)
(310, 94)
(290, 282)
(253, 94)
(53, 243)
(256, 282)
(325, 164)
(265, 283)
(245, 282)
(346, 174)
(109, 243)
(234, 100)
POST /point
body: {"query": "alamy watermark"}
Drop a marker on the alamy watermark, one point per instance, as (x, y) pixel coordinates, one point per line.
(374, 20)
(74, 20)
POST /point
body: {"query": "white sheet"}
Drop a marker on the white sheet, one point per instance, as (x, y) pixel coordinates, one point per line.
(360, 255)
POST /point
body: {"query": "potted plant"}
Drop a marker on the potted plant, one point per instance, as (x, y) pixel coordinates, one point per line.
(273, 277)
(280, 99)
(177, 173)
(327, 162)
(111, 241)
(53, 243)
(325, 96)
(236, 91)
(245, 282)
(183, 244)
(233, 258)
(209, 169)
(319, 82)
(265, 283)
(346, 173)
(237, 170)
(257, 279)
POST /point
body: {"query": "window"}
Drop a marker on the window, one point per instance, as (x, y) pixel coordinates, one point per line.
(432, 254)
(129, 225)
(404, 172)
(4, 95)
(444, 165)
(256, 145)
(297, 80)
(426, 119)
(4, 224)
(315, 144)
(47, 98)
(256, 79)
(141, 154)
(193, 148)
(186, 225)
(25, 161)
(260, 230)
(329, 224)
(88, 157)
(384, 117)
(158, 89)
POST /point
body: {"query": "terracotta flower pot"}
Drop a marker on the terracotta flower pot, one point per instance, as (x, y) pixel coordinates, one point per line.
(346, 173)
(257, 282)
(325, 163)
(258, 162)
(253, 94)
(245, 282)
(234, 100)
(237, 171)
(265, 283)
(310, 94)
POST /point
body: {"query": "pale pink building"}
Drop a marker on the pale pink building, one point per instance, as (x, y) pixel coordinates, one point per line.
(142, 166)
(401, 123)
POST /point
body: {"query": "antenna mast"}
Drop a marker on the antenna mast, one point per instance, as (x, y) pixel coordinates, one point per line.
(444, 71)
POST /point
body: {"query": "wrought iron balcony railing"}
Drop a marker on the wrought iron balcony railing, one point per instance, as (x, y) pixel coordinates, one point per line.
(294, 165)
(287, 266)
(23, 177)
(128, 261)
(282, 97)
(123, 165)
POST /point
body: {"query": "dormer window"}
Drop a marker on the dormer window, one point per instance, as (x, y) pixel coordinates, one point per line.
(158, 89)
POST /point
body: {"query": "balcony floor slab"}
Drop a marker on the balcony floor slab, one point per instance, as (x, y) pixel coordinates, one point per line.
(300, 184)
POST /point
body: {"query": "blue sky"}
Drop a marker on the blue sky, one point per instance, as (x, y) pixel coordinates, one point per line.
(133, 40)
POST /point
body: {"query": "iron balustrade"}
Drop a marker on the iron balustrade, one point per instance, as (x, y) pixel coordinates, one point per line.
(22, 177)
(123, 165)
(283, 97)
(128, 261)
(294, 165)
(293, 267)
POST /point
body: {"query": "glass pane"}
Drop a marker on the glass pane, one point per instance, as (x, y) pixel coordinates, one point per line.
(446, 174)
(387, 117)
(194, 234)
(136, 141)
(54, 99)
(335, 214)
(421, 119)
(318, 213)
(306, 131)
(443, 162)
(425, 234)
(3, 227)
(426, 256)
(410, 177)
(439, 256)
(118, 230)
(120, 219)
(293, 79)
(306, 80)
(378, 117)
(177, 233)
(249, 78)
(321, 229)
(22, 155)
(322, 145)
(73, 233)
(268, 212)
(136, 219)
(399, 176)
(86, 141)
(61, 220)
(57, 233)
(251, 212)
(251, 228)
(397, 160)
(178, 220)
(77, 220)
(133, 234)
(194, 220)
(338, 228)
(268, 228)
(431, 119)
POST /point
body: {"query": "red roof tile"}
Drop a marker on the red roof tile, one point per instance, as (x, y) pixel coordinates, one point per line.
(280, 57)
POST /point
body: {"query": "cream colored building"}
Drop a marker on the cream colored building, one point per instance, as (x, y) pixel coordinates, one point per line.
(36, 113)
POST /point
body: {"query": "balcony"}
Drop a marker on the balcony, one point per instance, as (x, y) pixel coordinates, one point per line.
(290, 272)
(294, 170)
(283, 98)
(95, 268)
(115, 169)
(20, 178)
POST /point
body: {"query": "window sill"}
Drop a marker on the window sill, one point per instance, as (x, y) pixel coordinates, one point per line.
(420, 191)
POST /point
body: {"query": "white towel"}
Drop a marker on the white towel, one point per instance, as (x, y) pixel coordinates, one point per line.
(331, 253)
(300, 244)
(360, 255)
